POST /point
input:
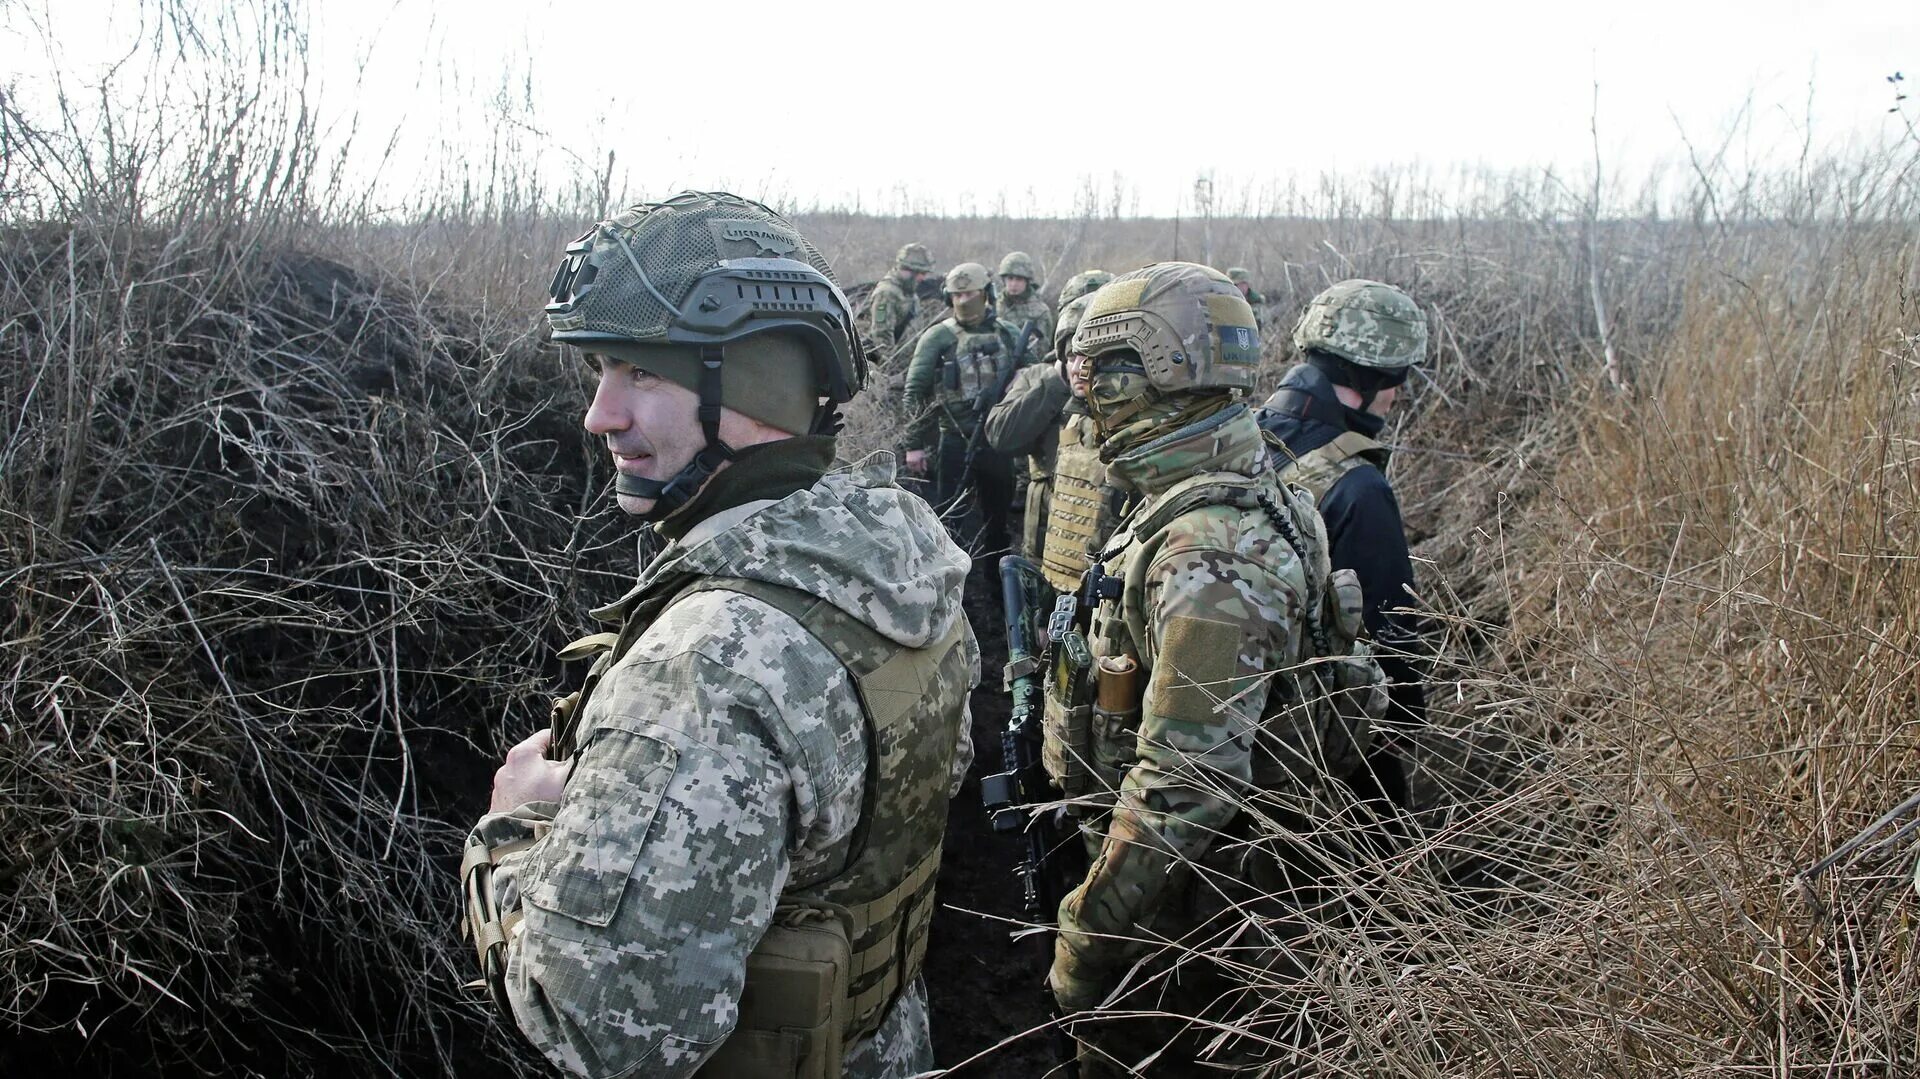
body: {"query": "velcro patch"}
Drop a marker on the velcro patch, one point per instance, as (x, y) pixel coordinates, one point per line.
(1120, 296)
(1239, 339)
(1194, 669)
(748, 239)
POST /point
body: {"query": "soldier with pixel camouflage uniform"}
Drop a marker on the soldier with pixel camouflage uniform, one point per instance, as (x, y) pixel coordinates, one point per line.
(1044, 416)
(1358, 340)
(961, 367)
(1242, 279)
(721, 859)
(1200, 700)
(1020, 301)
(896, 299)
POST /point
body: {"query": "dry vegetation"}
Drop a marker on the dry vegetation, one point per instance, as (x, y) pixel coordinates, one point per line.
(294, 509)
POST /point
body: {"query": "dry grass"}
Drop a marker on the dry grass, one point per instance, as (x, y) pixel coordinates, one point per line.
(294, 507)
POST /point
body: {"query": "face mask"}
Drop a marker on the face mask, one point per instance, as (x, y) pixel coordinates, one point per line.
(1113, 393)
(971, 309)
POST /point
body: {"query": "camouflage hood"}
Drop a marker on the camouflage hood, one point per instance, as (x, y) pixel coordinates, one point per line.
(853, 539)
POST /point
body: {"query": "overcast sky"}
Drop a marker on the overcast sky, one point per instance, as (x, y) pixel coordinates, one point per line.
(979, 107)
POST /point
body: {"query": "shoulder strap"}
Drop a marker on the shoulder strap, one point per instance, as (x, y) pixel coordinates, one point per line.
(859, 647)
(889, 678)
(1320, 468)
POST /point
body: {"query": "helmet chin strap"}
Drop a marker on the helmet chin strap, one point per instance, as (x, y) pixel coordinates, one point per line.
(679, 489)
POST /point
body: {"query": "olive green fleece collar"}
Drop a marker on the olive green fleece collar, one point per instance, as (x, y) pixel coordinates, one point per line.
(770, 470)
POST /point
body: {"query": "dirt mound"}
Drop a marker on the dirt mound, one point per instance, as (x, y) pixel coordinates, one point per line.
(284, 544)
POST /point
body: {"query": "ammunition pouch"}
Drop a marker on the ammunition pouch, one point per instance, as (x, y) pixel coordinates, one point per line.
(792, 1010)
(1066, 750)
(1116, 716)
(483, 926)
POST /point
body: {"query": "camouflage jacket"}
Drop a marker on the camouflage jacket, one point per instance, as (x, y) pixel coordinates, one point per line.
(723, 759)
(1026, 423)
(1210, 608)
(1030, 308)
(954, 369)
(892, 310)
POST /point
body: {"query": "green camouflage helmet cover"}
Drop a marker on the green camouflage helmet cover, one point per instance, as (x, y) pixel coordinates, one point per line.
(1240, 275)
(967, 277)
(1020, 264)
(1366, 323)
(1190, 325)
(915, 257)
(701, 269)
(1083, 283)
(1069, 321)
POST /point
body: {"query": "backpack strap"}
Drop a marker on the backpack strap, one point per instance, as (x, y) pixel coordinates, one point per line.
(1320, 468)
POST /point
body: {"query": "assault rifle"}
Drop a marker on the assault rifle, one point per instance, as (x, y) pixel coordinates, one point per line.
(1010, 796)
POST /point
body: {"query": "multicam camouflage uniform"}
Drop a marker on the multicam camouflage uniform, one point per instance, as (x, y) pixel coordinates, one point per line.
(759, 760)
(1029, 308)
(1223, 592)
(895, 303)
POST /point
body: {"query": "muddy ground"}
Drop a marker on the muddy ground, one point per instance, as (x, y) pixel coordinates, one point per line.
(986, 989)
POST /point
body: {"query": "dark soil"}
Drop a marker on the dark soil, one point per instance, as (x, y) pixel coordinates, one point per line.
(988, 992)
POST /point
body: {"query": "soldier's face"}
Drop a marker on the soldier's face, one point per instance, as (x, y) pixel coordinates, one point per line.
(1077, 374)
(968, 305)
(1244, 287)
(1013, 286)
(651, 426)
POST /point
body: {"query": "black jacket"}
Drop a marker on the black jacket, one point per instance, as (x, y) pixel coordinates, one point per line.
(1364, 529)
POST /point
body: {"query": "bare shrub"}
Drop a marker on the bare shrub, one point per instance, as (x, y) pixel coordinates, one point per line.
(294, 507)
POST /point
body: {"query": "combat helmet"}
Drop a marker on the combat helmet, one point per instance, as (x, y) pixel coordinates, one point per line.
(1365, 323)
(914, 257)
(1069, 321)
(968, 277)
(1082, 283)
(1020, 264)
(1190, 326)
(696, 286)
(1240, 275)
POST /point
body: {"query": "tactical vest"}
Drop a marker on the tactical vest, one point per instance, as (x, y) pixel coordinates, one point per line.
(1319, 469)
(1035, 310)
(1320, 710)
(978, 360)
(910, 303)
(844, 945)
(1074, 528)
